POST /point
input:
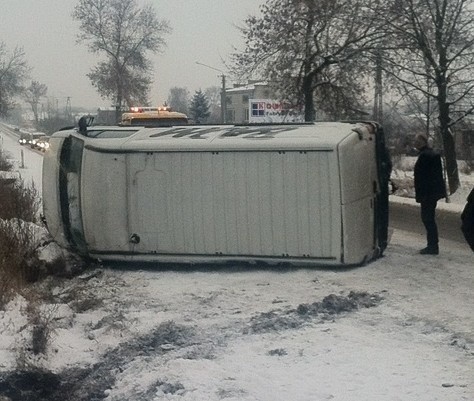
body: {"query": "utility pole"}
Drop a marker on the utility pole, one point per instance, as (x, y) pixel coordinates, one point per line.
(68, 109)
(223, 101)
(223, 95)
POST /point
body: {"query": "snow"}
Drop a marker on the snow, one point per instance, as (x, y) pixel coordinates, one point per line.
(28, 162)
(240, 333)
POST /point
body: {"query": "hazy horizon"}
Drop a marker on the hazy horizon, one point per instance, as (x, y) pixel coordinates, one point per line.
(202, 30)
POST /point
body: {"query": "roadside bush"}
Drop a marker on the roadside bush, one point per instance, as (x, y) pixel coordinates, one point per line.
(15, 245)
(40, 317)
(5, 164)
(26, 255)
(19, 201)
(19, 206)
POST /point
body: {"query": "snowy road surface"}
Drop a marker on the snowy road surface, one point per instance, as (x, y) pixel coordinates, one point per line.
(400, 328)
(28, 161)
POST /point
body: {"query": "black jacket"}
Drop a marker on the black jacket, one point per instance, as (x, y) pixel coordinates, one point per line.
(467, 220)
(429, 181)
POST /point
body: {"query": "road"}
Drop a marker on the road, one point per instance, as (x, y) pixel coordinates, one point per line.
(28, 161)
(405, 215)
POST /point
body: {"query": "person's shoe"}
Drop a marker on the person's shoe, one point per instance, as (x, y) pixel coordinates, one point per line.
(430, 251)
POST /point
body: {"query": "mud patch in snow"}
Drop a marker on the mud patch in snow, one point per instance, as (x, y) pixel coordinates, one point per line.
(162, 388)
(92, 383)
(29, 385)
(331, 306)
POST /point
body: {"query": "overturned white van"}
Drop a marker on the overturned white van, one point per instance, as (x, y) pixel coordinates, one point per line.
(298, 194)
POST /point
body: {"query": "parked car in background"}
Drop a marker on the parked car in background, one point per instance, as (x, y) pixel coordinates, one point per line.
(42, 143)
(35, 137)
(25, 137)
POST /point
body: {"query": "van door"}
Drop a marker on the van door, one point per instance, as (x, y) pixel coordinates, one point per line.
(384, 169)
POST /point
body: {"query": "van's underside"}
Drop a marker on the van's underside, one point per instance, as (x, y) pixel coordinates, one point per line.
(216, 260)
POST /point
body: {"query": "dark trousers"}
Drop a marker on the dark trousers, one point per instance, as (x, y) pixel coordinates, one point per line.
(428, 209)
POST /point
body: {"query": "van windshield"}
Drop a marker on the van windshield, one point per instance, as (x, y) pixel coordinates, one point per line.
(109, 133)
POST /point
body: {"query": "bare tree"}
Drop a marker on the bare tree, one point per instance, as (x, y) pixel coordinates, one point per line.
(123, 33)
(178, 99)
(13, 71)
(135, 84)
(33, 95)
(435, 56)
(303, 45)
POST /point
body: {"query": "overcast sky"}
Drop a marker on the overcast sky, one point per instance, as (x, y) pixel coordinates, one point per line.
(203, 30)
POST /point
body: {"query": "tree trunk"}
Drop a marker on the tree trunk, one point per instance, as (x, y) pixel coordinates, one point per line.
(2, 111)
(35, 113)
(450, 156)
(309, 112)
(119, 88)
(118, 104)
(448, 139)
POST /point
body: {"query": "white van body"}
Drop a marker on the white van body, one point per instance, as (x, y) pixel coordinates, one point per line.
(277, 194)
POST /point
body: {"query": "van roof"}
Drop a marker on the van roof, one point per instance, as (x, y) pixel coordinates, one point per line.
(317, 136)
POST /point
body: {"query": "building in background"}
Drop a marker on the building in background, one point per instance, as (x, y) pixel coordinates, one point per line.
(237, 100)
(256, 102)
(273, 111)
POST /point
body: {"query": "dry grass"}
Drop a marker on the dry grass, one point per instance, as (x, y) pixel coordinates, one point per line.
(5, 164)
(19, 206)
(20, 265)
(19, 201)
(40, 318)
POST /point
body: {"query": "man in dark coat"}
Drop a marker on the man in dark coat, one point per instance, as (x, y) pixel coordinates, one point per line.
(467, 220)
(429, 188)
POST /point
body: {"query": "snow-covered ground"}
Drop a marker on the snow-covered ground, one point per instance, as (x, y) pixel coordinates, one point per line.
(400, 328)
